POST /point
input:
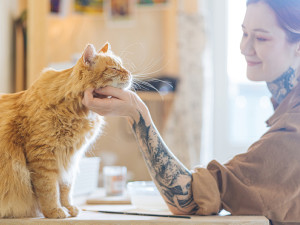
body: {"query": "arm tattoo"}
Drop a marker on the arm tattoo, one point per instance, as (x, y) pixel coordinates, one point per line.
(173, 179)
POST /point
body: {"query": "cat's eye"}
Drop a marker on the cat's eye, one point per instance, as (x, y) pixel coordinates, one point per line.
(114, 68)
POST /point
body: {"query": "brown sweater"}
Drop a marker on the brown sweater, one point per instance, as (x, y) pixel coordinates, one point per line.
(265, 180)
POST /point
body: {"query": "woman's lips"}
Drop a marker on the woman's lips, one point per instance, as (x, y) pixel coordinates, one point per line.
(252, 63)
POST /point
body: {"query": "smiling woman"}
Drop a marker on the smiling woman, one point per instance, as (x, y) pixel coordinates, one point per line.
(264, 44)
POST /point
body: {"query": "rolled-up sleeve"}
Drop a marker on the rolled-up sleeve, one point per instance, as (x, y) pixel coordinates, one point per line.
(263, 181)
(206, 192)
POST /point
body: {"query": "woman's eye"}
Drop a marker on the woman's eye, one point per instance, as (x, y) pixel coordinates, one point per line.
(245, 34)
(261, 39)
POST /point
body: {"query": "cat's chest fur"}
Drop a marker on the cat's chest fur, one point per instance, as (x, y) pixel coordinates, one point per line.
(59, 131)
(75, 139)
(76, 144)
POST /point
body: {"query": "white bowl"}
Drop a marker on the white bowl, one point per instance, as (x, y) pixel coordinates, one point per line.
(145, 195)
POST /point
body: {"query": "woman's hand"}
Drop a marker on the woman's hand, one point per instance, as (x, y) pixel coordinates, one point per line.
(172, 179)
(111, 101)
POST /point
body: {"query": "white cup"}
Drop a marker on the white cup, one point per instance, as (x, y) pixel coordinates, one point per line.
(114, 180)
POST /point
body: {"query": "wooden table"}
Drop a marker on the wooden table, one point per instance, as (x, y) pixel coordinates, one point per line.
(95, 218)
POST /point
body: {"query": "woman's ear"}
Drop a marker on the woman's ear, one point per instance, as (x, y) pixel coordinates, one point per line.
(89, 55)
(105, 48)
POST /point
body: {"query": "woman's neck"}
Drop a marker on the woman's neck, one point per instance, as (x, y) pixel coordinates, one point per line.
(282, 86)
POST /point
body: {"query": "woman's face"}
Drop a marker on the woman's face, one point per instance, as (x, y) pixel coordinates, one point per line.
(264, 44)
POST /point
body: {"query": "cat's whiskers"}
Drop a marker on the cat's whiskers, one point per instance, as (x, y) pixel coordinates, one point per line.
(145, 85)
(141, 78)
(148, 67)
(131, 66)
(124, 54)
(153, 64)
(135, 86)
(133, 44)
(153, 72)
(144, 74)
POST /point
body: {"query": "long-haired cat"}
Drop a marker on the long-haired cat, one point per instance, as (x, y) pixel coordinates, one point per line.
(44, 131)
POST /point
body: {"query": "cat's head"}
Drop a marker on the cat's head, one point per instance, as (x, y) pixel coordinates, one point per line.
(100, 69)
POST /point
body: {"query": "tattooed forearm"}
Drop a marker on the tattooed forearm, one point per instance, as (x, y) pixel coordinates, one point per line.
(172, 178)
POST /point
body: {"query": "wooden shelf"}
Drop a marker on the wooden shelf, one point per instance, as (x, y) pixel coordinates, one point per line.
(154, 96)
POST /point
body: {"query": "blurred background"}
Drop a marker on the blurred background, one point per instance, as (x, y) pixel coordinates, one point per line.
(210, 110)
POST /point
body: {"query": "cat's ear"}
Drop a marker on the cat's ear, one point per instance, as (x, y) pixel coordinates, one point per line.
(105, 48)
(88, 54)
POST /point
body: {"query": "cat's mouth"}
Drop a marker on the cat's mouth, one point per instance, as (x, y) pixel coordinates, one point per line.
(124, 84)
(97, 95)
(121, 84)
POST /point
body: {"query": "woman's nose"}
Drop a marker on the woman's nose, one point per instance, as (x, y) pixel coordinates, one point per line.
(247, 47)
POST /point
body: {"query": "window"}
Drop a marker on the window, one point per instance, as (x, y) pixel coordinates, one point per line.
(249, 102)
(241, 107)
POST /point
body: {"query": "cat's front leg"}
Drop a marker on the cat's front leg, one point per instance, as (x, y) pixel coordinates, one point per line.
(65, 198)
(44, 176)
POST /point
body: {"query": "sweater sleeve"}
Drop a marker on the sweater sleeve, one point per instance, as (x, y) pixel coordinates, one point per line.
(264, 181)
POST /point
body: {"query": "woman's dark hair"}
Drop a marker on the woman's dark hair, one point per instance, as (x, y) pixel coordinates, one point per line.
(287, 14)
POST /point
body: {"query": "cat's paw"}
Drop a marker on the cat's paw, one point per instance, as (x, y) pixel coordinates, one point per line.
(56, 213)
(73, 210)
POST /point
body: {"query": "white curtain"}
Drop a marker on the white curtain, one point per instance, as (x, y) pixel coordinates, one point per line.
(183, 130)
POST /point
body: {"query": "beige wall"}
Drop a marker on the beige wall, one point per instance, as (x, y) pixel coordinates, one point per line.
(146, 45)
(8, 10)
(139, 42)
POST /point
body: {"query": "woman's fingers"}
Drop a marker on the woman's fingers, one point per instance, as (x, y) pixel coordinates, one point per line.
(91, 102)
(88, 97)
(121, 102)
(112, 91)
(103, 106)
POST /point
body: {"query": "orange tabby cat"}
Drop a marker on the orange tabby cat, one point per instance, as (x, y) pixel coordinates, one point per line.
(45, 130)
